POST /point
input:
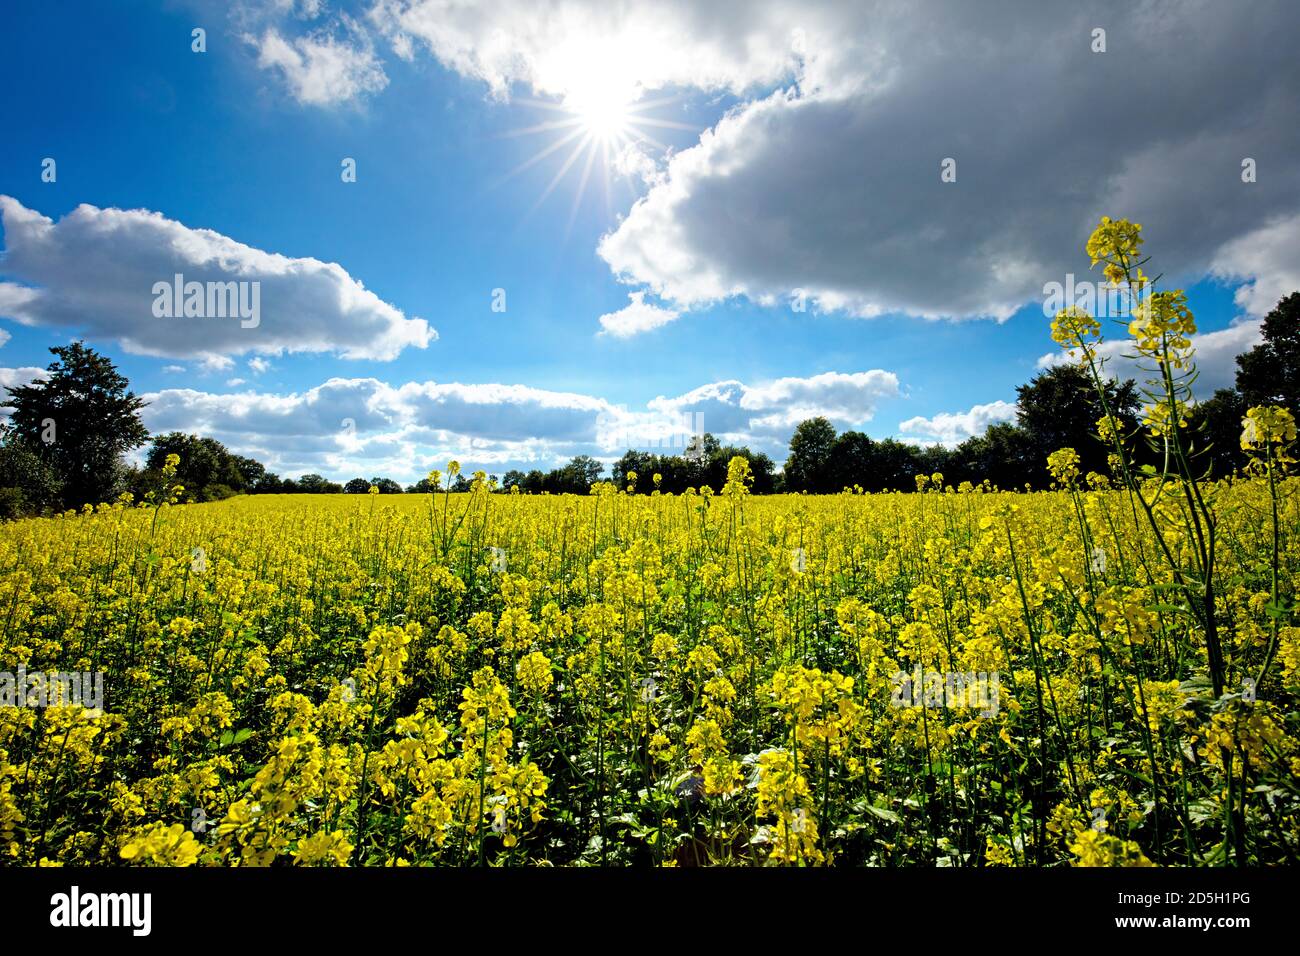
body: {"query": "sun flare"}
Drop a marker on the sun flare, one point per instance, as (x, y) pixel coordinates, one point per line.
(604, 114)
(596, 119)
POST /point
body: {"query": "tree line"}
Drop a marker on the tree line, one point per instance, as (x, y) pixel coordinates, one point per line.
(1058, 408)
(67, 438)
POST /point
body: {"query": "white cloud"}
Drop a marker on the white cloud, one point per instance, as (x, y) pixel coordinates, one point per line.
(321, 69)
(259, 365)
(835, 189)
(302, 9)
(346, 427)
(25, 375)
(765, 414)
(1216, 356)
(1266, 262)
(211, 364)
(13, 378)
(636, 317)
(173, 369)
(95, 270)
(566, 48)
(952, 428)
(235, 382)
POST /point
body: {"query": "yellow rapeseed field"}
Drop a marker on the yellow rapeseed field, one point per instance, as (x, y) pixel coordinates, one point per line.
(707, 678)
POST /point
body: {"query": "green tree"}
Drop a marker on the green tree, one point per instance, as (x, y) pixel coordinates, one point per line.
(1214, 430)
(808, 467)
(852, 457)
(1003, 455)
(1269, 374)
(643, 463)
(1059, 408)
(252, 473)
(894, 466)
(80, 419)
(207, 469)
(27, 484)
(578, 475)
(314, 484)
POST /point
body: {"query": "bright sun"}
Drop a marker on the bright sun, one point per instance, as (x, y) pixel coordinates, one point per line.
(595, 118)
(604, 117)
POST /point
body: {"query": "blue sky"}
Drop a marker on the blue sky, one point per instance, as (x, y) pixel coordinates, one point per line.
(804, 154)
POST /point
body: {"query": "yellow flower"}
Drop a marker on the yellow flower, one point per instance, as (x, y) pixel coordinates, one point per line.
(1271, 425)
(332, 847)
(1063, 464)
(1095, 848)
(162, 845)
(534, 673)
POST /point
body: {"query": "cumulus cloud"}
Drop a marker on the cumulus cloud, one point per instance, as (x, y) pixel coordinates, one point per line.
(1265, 261)
(96, 270)
(636, 317)
(567, 47)
(210, 364)
(952, 428)
(13, 378)
(839, 193)
(765, 414)
(346, 427)
(321, 69)
(1216, 356)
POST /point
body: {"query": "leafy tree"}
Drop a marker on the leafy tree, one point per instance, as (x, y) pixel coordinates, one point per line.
(1269, 374)
(581, 473)
(1214, 429)
(251, 472)
(314, 484)
(809, 466)
(644, 463)
(357, 486)
(269, 483)
(1003, 455)
(386, 486)
(207, 469)
(80, 420)
(851, 461)
(895, 466)
(704, 462)
(1059, 408)
(27, 484)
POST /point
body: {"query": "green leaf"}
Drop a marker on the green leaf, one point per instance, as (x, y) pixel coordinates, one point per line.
(889, 816)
